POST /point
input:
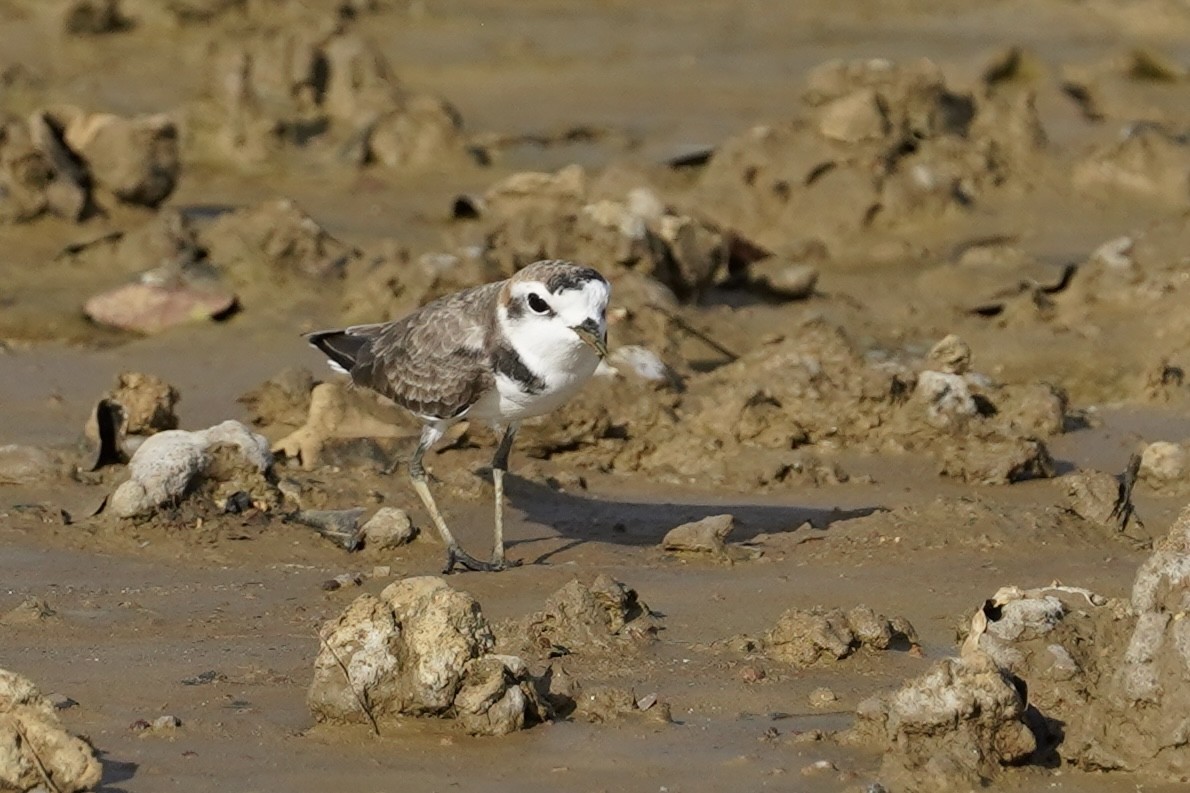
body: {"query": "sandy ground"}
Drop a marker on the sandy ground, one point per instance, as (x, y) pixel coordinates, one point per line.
(138, 610)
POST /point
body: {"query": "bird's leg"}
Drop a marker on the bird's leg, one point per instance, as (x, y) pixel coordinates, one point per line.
(417, 472)
(499, 466)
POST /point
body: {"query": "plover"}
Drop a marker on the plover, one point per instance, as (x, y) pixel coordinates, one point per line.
(499, 353)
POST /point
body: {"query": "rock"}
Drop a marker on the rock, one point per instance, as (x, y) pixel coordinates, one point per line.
(641, 362)
(751, 673)
(947, 398)
(165, 467)
(166, 723)
(135, 159)
(822, 697)
(420, 649)
(149, 308)
(1163, 462)
(960, 723)
(784, 279)
(491, 700)
(804, 637)
(389, 528)
(340, 526)
(605, 616)
(26, 465)
(702, 536)
(818, 767)
(951, 355)
(33, 743)
(1092, 495)
(61, 702)
(807, 637)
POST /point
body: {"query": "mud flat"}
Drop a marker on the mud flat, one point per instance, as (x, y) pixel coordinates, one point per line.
(882, 487)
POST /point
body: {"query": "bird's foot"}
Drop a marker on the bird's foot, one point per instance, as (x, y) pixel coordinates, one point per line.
(457, 556)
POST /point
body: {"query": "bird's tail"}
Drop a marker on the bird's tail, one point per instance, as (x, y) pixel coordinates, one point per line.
(341, 347)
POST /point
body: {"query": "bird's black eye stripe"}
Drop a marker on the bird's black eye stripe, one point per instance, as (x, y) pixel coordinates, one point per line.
(537, 304)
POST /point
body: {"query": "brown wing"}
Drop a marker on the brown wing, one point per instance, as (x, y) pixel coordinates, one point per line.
(433, 362)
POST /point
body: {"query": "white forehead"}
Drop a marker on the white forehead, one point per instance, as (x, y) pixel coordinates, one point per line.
(589, 300)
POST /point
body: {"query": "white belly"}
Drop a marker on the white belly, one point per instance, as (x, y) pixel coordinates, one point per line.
(507, 402)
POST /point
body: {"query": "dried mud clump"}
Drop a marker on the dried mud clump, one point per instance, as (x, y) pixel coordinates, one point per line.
(272, 240)
(186, 271)
(604, 616)
(877, 144)
(228, 463)
(970, 521)
(959, 724)
(337, 415)
(745, 423)
(1095, 497)
(36, 753)
(282, 401)
(1165, 467)
(140, 405)
(66, 161)
(1115, 673)
(1147, 161)
(806, 637)
(420, 649)
(299, 86)
(531, 216)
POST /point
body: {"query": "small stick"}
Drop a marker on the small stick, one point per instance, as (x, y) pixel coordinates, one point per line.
(361, 698)
(695, 332)
(79, 247)
(1124, 510)
(41, 769)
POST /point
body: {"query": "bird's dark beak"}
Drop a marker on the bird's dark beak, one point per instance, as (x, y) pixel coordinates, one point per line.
(590, 333)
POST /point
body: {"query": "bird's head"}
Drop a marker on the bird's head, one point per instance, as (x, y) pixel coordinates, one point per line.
(556, 311)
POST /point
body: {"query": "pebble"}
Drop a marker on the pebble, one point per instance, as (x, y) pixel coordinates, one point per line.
(61, 702)
(166, 722)
(209, 676)
(752, 673)
(822, 697)
(388, 528)
(818, 767)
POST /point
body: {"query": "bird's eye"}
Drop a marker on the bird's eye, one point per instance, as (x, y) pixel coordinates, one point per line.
(538, 305)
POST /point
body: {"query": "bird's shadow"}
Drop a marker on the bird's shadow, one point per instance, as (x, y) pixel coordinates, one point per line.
(114, 772)
(581, 519)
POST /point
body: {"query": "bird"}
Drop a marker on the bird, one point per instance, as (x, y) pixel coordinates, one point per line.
(499, 353)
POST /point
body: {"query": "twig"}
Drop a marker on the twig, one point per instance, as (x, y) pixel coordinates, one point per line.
(1123, 510)
(361, 698)
(78, 247)
(41, 769)
(695, 332)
